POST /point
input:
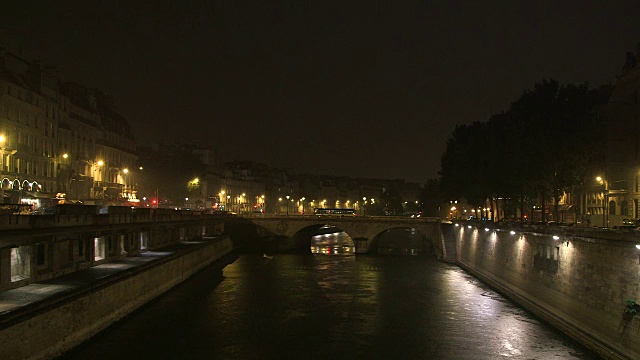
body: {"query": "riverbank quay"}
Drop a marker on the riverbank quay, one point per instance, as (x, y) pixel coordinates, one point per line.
(43, 320)
(585, 282)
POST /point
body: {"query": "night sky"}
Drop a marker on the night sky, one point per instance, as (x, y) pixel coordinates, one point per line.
(362, 89)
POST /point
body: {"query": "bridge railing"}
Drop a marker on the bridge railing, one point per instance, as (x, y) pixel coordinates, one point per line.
(348, 217)
(16, 222)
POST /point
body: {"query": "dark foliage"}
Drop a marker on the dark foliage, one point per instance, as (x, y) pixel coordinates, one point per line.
(542, 146)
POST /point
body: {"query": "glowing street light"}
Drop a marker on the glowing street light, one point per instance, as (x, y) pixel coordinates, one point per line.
(287, 204)
(605, 205)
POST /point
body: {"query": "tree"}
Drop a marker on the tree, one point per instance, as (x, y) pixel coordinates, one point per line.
(528, 155)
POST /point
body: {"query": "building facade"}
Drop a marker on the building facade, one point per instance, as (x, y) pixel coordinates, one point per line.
(60, 141)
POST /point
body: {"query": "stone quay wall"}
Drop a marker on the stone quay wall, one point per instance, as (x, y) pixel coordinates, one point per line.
(69, 322)
(576, 283)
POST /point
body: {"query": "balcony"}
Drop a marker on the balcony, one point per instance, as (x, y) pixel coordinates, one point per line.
(107, 185)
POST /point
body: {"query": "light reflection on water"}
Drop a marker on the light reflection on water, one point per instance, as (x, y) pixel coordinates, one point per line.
(392, 242)
(368, 307)
(336, 243)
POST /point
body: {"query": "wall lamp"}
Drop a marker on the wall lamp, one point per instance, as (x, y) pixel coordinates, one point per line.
(565, 241)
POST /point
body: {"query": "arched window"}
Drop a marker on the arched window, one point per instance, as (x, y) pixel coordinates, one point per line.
(612, 207)
(624, 208)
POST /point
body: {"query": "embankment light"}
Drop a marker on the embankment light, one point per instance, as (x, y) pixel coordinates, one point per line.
(556, 237)
(512, 232)
(638, 246)
(457, 224)
(469, 226)
(486, 229)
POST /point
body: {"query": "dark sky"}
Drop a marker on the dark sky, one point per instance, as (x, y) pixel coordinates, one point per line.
(329, 87)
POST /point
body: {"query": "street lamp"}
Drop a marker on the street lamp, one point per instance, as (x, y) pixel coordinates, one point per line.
(364, 206)
(605, 205)
(302, 201)
(125, 193)
(98, 178)
(220, 197)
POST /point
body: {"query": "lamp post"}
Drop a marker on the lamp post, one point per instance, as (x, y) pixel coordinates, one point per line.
(605, 205)
(193, 188)
(97, 178)
(125, 194)
(302, 201)
(68, 171)
(220, 197)
(287, 204)
(364, 206)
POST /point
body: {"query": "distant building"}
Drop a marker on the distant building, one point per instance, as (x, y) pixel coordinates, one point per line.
(621, 180)
(60, 141)
(29, 114)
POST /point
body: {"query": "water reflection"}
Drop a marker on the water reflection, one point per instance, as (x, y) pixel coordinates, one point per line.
(334, 243)
(303, 306)
(401, 241)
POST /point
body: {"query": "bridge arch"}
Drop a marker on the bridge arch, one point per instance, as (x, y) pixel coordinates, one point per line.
(361, 229)
(401, 240)
(323, 238)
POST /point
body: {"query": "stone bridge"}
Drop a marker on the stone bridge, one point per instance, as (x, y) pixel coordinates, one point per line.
(362, 229)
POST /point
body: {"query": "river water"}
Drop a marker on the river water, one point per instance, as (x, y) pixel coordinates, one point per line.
(322, 306)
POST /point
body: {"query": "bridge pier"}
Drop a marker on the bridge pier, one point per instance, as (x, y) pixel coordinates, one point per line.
(362, 245)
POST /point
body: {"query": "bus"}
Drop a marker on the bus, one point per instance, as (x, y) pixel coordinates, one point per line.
(331, 211)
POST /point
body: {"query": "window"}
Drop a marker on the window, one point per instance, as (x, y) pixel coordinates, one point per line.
(40, 248)
(80, 247)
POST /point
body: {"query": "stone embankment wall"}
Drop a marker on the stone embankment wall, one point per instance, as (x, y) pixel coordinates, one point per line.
(66, 324)
(578, 284)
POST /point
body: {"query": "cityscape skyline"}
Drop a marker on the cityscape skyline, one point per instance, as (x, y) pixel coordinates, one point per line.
(340, 90)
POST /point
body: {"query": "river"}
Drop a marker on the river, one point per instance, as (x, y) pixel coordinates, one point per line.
(322, 306)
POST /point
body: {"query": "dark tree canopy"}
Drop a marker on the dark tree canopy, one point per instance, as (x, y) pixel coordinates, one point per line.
(542, 146)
